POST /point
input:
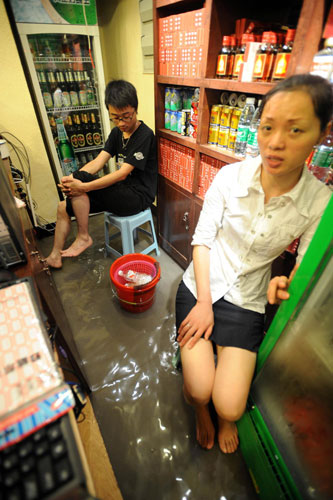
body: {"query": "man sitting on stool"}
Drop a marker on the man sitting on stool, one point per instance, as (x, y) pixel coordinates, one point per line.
(127, 191)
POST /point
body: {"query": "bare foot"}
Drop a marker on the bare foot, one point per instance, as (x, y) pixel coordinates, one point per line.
(77, 247)
(227, 436)
(205, 428)
(54, 260)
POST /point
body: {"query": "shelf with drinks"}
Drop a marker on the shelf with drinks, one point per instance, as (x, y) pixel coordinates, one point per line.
(49, 59)
(71, 109)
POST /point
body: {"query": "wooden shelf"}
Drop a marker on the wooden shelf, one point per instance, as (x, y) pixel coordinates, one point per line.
(218, 153)
(177, 80)
(236, 86)
(189, 142)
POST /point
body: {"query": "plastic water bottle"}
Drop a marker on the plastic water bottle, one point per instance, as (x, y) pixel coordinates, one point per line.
(322, 161)
(322, 63)
(244, 126)
(252, 148)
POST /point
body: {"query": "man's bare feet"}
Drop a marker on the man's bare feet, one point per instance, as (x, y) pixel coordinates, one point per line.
(77, 247)
(205, 429)
(54, 260)
(227, 436)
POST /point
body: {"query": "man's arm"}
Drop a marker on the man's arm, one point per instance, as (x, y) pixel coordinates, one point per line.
(97, 163)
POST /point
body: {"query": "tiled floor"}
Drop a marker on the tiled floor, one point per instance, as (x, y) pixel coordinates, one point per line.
(148, 430)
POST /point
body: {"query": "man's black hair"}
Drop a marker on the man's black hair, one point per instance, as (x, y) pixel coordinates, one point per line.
(119, 94)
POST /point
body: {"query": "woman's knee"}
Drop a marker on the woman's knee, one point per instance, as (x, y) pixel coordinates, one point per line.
(61, 211)
(229, 408)
(199, 394)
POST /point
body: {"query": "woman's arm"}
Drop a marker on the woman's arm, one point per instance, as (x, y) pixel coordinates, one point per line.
(200, 319)
(278, 287)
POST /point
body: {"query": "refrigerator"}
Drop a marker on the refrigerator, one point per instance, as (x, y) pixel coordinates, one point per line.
(61, 52)
(286, 433)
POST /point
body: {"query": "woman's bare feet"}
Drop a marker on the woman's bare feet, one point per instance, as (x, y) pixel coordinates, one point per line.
(77, 247)
(54, 260)
(205, 428)
(227, 436)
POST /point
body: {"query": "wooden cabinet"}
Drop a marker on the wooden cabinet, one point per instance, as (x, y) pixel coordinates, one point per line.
(178, 208)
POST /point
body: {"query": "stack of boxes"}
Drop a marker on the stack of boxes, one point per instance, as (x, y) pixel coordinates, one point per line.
(209, 167)
(181, 44)
(177, 163)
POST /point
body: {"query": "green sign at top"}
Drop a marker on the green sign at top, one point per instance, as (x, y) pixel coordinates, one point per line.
(81, 12)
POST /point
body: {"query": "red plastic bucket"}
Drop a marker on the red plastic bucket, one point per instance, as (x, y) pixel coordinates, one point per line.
(132, 299)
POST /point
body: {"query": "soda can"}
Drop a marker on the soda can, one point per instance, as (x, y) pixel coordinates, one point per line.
(167, 117)
(233, 98)
(175, 101)
(241, 100)
(236, 112)
(213, 134)
(232, 139)
(226, 116)
(215, 114)
(224, 98)
(223, 137)
(167, 98)
(173, 121)
(179, 122)
(185, 121)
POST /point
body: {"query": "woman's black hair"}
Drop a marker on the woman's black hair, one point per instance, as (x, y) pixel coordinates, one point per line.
(319, 89)
(119, 94)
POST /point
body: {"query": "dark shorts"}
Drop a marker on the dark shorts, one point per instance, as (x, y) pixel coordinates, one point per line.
(119, 199)
(233, 325)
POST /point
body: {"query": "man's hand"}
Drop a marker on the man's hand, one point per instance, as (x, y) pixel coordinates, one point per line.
(278, 286)
(71, 187)
(199, 321)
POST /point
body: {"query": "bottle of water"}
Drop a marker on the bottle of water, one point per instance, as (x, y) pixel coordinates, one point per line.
(252, 148)
(244, 126)
(321, 164)
(322, 63)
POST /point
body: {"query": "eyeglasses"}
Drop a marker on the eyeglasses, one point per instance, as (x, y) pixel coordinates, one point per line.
(124, 118)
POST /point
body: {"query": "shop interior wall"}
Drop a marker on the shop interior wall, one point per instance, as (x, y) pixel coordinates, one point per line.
(120, 33)
(18, 117)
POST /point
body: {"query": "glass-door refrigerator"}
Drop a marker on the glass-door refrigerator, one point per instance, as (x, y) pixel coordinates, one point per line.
(286, 434)
(61, 48)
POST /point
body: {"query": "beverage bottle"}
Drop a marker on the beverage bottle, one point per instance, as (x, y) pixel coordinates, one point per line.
(322, 63)
(321, 164)
(252, 148)
(73, 92)
(244, 126)
(265, 56)
(57, 94)
(239, 56)
(90, 90)
(65, 150)
(53, 126)
(47, 97)
(283, 56)
(71, 131)
(88, 132)
(80, 133)
(232, 54)
(66, 99)
(223, 58)
(97, 136)
(83, 89)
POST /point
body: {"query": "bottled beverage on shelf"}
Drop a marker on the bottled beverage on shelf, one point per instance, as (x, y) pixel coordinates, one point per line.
(53, 126)
(88, 131)
(57, 94)
(97, 136)
(265, 57)
(66, 153)
(47, 97)
(239, 56)
(79, 132)
(66, 99)
(321, 164)
(283, 56)
(73, 89)
(231, 59)
(71, 132)
(83, 89)
(252, 148)
(322, 63)
(244, 126)
(223, 58)
(90, 89)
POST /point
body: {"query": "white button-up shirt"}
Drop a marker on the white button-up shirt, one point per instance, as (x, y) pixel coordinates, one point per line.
(245, 235)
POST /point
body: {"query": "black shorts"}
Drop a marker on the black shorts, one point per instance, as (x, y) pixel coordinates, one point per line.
(120, 199)
(233, 325)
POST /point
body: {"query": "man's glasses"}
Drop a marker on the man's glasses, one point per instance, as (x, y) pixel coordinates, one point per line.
(127, 117)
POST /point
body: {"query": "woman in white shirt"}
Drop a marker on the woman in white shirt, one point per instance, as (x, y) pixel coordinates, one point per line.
(253, 210)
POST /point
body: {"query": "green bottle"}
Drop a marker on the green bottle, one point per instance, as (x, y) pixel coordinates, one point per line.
(65, 150)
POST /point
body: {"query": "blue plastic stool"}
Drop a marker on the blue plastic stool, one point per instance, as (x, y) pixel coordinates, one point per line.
(128, 226)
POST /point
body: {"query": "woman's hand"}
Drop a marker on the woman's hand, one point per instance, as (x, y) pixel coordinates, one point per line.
(278, 286)
(199, 321)
(71, 187)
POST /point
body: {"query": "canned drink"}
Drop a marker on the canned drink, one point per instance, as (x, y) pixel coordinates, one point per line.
(187, 98)
(223, 137)
(213, 134)
(215, 114)
(224, 98)
(167, 117)
(226, 116)
(232, 139)
(236, 113)
(173, 121)
(179, 122)
(241, 101)
(185, 121)
(175, 101)
(167, 98)
(233, 98)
